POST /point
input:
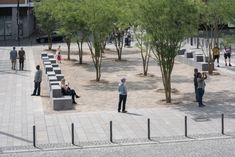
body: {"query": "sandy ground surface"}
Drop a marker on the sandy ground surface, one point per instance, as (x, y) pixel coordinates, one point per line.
(143, 92)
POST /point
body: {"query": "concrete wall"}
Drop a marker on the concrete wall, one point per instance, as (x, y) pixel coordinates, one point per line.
(26, 23)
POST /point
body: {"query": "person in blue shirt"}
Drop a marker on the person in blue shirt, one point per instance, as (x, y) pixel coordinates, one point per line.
(122, 90)
(13, 57)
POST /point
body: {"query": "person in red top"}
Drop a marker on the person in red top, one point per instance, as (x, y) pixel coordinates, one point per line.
(58, 55)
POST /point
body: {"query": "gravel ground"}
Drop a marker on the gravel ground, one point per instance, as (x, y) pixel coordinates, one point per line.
(143, 92)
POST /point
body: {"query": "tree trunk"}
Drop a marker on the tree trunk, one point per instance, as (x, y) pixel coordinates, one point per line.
(118, 41)
(68, 45)
(198, 42)
(166, 83)
(80, 51)
(146, 65)
(96, 57)
(49, 42)
(145, 56)
(210, 61)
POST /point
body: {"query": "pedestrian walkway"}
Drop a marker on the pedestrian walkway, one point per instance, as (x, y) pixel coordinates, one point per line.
(19, 112)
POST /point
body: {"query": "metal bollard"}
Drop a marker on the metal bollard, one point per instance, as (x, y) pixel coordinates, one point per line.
(34, 136)
(222, 124)
(72, 133)
(149, 129)
(185, 127)
(111, 131)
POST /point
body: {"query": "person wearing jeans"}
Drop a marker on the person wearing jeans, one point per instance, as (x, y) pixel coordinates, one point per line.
(122, 90)
(201, 88)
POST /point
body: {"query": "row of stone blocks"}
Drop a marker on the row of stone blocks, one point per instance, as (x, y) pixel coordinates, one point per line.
(54, 76)
(193, 59)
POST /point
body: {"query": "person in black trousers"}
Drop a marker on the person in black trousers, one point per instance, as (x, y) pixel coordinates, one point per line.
(21, 55)
(122, 90)
(37, 81)
(66, 90)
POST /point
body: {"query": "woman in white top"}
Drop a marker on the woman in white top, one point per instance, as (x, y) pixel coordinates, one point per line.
(66, 90)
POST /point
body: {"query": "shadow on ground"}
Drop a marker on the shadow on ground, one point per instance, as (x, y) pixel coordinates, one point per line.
(216, 104)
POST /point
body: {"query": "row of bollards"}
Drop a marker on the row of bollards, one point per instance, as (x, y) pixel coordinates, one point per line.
(111, 130)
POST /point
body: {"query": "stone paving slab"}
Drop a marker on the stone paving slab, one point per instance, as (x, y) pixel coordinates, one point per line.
(19, 112)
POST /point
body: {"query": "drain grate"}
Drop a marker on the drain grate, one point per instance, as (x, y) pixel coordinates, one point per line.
(201, 119)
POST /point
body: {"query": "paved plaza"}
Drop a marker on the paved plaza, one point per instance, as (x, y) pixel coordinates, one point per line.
(19, 112)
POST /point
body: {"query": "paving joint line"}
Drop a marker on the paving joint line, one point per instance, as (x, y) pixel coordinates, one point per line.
(116, 143)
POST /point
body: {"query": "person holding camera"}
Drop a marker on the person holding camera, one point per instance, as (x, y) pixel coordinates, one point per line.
(66, 90)
(201, 87)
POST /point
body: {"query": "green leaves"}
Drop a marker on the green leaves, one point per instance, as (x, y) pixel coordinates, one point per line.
(169, 19)
(44, 15)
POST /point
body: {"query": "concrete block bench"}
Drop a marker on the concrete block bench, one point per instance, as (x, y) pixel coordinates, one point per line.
(46, 63)
(52, 78)
(43, 54)
(202, 66)
(52, 60)
(198, 58)
(56, 91)
(53, 83)
(50, 55)
(45, 59)
(55, 65)
(57, 70)
(181, 52)
(188, 54)
(51, 73)
(48, 68)
(59, 76)
(62, 103)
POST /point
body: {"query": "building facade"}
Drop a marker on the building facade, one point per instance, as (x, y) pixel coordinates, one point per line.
(16, 19)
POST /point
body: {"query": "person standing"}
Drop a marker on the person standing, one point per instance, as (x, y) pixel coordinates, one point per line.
(37, 81)
(13, 57)
(122, 90)
(201, 87)
(58, 57)
(195, 83)
(216, 54)
(21, 55)
(227, 54)
(58, 54)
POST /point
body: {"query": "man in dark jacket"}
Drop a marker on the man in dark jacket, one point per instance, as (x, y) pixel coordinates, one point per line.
(21, 55)
(37, 81)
